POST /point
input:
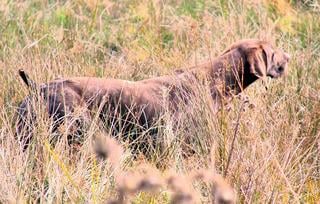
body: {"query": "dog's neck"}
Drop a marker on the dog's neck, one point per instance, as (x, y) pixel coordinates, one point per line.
(228, 75)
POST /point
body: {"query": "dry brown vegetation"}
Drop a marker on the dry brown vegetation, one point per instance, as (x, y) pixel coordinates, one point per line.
(266, 153)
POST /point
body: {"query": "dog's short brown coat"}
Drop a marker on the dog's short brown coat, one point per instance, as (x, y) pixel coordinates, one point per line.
(123, 104)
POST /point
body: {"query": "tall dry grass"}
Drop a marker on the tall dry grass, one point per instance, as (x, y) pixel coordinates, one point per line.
(271, 154)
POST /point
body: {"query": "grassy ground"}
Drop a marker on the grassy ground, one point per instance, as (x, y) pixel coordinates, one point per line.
(275, 157)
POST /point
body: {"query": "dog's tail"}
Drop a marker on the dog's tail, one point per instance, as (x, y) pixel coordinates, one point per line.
(26, 79)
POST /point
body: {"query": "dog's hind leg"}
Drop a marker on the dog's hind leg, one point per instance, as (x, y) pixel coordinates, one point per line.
(70, 117)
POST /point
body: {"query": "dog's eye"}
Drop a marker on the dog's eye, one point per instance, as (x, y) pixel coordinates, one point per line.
(280, 69)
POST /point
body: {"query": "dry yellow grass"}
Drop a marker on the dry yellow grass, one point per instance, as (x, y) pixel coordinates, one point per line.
(275, 155)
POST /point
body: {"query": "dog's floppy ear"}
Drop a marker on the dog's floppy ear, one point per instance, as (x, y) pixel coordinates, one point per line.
(259, 59)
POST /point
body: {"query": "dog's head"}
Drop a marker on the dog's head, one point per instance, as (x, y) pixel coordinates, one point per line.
(279, 64)
(263, 59)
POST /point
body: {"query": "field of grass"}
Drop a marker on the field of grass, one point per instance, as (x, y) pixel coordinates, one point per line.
(275, 156)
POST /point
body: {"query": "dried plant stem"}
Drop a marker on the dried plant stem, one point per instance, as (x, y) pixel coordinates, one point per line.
(236, 130)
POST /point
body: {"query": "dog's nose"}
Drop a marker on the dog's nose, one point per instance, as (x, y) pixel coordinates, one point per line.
(287, 56)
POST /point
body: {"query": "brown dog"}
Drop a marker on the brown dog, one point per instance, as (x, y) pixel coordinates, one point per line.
(128, 106)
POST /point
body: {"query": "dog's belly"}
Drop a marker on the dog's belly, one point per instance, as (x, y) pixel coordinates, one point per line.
(123, 106)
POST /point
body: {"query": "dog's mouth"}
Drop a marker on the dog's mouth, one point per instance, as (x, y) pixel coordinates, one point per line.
(276, 72)
(273, 74)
